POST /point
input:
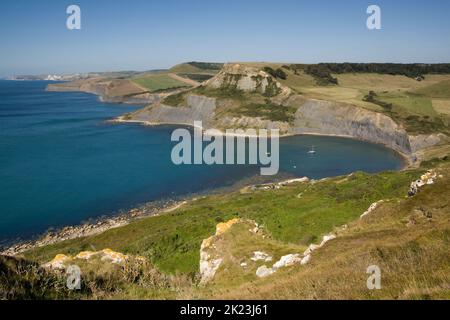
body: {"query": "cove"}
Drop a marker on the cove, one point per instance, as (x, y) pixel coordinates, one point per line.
(62, 163)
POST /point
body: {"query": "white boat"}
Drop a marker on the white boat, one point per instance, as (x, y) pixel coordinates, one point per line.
(312, 151)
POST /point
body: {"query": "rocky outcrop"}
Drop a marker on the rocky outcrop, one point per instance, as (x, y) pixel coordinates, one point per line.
(426, 179)
(247, 79)
(261, 256)
(314, 247)
(276, 185)
(372, 207)
(62, 261)
(293, 259)
(264, 271)
(285, 261)
(209, 259)
(424, 141)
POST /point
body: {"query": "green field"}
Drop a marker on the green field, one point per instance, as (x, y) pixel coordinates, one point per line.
(437, 90)
(159, 82)
(406, 103)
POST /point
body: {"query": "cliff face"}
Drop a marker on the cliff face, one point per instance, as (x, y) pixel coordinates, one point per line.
(329, 118)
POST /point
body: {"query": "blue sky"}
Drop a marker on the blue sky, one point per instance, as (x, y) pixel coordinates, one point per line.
(142, 35)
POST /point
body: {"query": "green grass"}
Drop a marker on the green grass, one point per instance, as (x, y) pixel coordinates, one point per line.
(438, 90)
(223, 93)
(176, 100)
(409, 103)
(415, 112)
(172, 241)
(159, 82)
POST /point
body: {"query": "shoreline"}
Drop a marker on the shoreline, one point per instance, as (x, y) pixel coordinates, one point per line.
(407, 161)
(102, 224)
(93, 226)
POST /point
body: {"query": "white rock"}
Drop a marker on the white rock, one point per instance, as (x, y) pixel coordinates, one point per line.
(243, 264)
(208, 269)
(300, 180)
(310, 249)
(305, 259)
(263, 271)
(254, 230)
(259, 255)
(327, 238)
(58, 262)
(287, 261)
(372, 207)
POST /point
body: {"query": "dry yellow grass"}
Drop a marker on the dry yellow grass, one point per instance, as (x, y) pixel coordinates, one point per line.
(340, 94)
(441, 106)
(385, 82)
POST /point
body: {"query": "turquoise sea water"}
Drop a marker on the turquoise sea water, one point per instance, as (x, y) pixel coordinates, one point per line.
(62, 163)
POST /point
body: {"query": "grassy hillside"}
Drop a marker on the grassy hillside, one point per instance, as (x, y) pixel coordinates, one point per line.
(437, 90)
(197, 68)
(159, 82)
(422, 107)
(409, 239)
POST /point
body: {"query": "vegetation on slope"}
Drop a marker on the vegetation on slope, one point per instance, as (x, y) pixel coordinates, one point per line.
(199, 77)
(276, 73)
(197, 68)
(159, 82)
(415, 70)
(320, 73)
(437, 90)
(21, 279)
(408, 239)
(267, 111)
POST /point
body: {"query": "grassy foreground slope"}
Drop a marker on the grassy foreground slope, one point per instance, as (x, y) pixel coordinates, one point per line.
(408, 239)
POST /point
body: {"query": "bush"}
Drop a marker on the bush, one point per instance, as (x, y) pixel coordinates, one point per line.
(278, 73)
